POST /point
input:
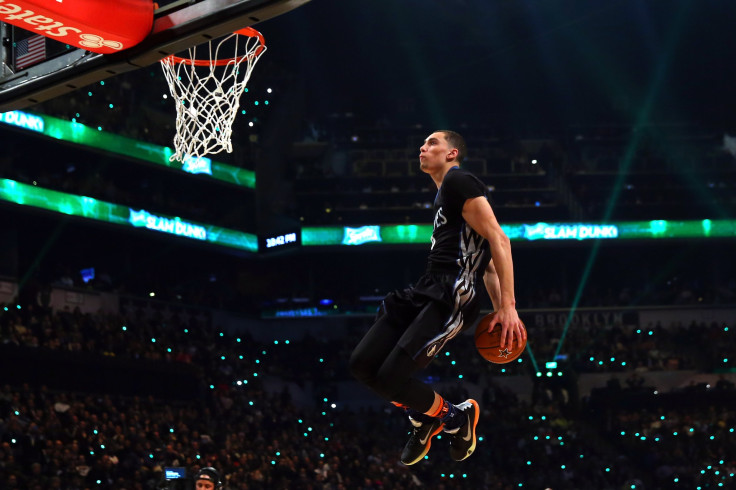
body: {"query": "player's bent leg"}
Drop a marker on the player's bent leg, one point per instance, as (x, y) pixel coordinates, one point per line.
(395, 382)
(373, 349)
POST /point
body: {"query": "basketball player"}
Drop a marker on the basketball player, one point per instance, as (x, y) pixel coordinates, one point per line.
(413, 325)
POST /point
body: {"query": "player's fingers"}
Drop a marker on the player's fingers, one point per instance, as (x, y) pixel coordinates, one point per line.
(516, 334)
(520, 332)
(504, 336)
(492, 323)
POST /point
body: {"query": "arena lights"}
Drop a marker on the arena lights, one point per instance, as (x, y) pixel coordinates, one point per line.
(90, 208)
(74, 132)
(520, 232)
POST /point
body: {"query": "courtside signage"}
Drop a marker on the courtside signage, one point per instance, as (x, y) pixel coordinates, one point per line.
(95, 209)
(527, 232)
(359, 236)
(175, 226)
(23, 120)
(197, 165)
(81, 134)
(570, 231)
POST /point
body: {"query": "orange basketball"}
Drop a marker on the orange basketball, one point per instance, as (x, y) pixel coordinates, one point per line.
(489, 344)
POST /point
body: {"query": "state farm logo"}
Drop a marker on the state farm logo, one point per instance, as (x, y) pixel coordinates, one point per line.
(95, 41)
(28, 19)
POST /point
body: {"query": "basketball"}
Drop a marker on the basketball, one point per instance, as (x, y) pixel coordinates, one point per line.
(489, 344)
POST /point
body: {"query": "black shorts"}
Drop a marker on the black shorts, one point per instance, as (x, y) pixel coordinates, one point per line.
(435, 310)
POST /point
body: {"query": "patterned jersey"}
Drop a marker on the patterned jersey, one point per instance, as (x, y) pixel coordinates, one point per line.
(456, 247)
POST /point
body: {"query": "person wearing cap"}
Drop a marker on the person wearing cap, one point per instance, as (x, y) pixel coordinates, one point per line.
(207, 479)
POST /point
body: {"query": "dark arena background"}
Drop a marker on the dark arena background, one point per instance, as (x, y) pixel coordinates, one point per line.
(157, 317)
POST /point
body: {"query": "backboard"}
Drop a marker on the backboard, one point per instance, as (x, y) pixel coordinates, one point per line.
(177, 25)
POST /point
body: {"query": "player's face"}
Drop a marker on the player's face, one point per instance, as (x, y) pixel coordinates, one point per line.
(205, 485)
(434, 153)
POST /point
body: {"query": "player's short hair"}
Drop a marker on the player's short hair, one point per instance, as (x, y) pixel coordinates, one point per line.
(456, 141)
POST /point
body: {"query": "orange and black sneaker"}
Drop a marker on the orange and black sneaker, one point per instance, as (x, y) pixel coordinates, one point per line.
(462, 439)
(420, 440)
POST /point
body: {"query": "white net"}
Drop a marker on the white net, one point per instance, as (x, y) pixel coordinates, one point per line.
(207, 92)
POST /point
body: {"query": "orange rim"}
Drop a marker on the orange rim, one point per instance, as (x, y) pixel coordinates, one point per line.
(246, 31)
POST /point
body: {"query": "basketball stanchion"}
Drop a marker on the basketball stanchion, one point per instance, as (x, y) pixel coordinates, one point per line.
(207, 92)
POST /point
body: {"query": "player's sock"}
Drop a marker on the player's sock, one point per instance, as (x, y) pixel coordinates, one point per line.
(452, 417)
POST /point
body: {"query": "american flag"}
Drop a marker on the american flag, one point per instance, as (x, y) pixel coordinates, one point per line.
(30, 51)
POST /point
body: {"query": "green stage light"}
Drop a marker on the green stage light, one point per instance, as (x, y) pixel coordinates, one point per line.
(74, 132)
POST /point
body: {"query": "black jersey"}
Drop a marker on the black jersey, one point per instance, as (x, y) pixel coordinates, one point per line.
(456, 247)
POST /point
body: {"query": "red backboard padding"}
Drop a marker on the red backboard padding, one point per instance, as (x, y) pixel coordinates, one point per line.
(101, 26)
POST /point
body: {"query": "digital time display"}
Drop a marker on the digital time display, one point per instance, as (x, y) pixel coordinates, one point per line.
(282, 241)
(277, 241)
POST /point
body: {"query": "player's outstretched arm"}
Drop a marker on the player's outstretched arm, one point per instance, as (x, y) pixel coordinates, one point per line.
(478, 214)
(493, 286)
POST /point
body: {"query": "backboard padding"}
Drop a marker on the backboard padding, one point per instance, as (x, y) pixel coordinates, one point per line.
(176, 27)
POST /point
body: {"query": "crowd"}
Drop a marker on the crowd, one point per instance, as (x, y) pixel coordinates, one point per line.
(228, 357)
(262, 441)
(260, 437)
(684, 447)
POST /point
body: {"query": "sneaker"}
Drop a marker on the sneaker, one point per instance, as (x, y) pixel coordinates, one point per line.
(462, 441)
(420, 440)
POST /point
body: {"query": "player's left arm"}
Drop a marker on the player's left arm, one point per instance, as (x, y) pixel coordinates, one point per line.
(493, 286)
(478, 214)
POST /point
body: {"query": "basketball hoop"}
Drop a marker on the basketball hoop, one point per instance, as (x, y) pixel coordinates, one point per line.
(207, 92)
